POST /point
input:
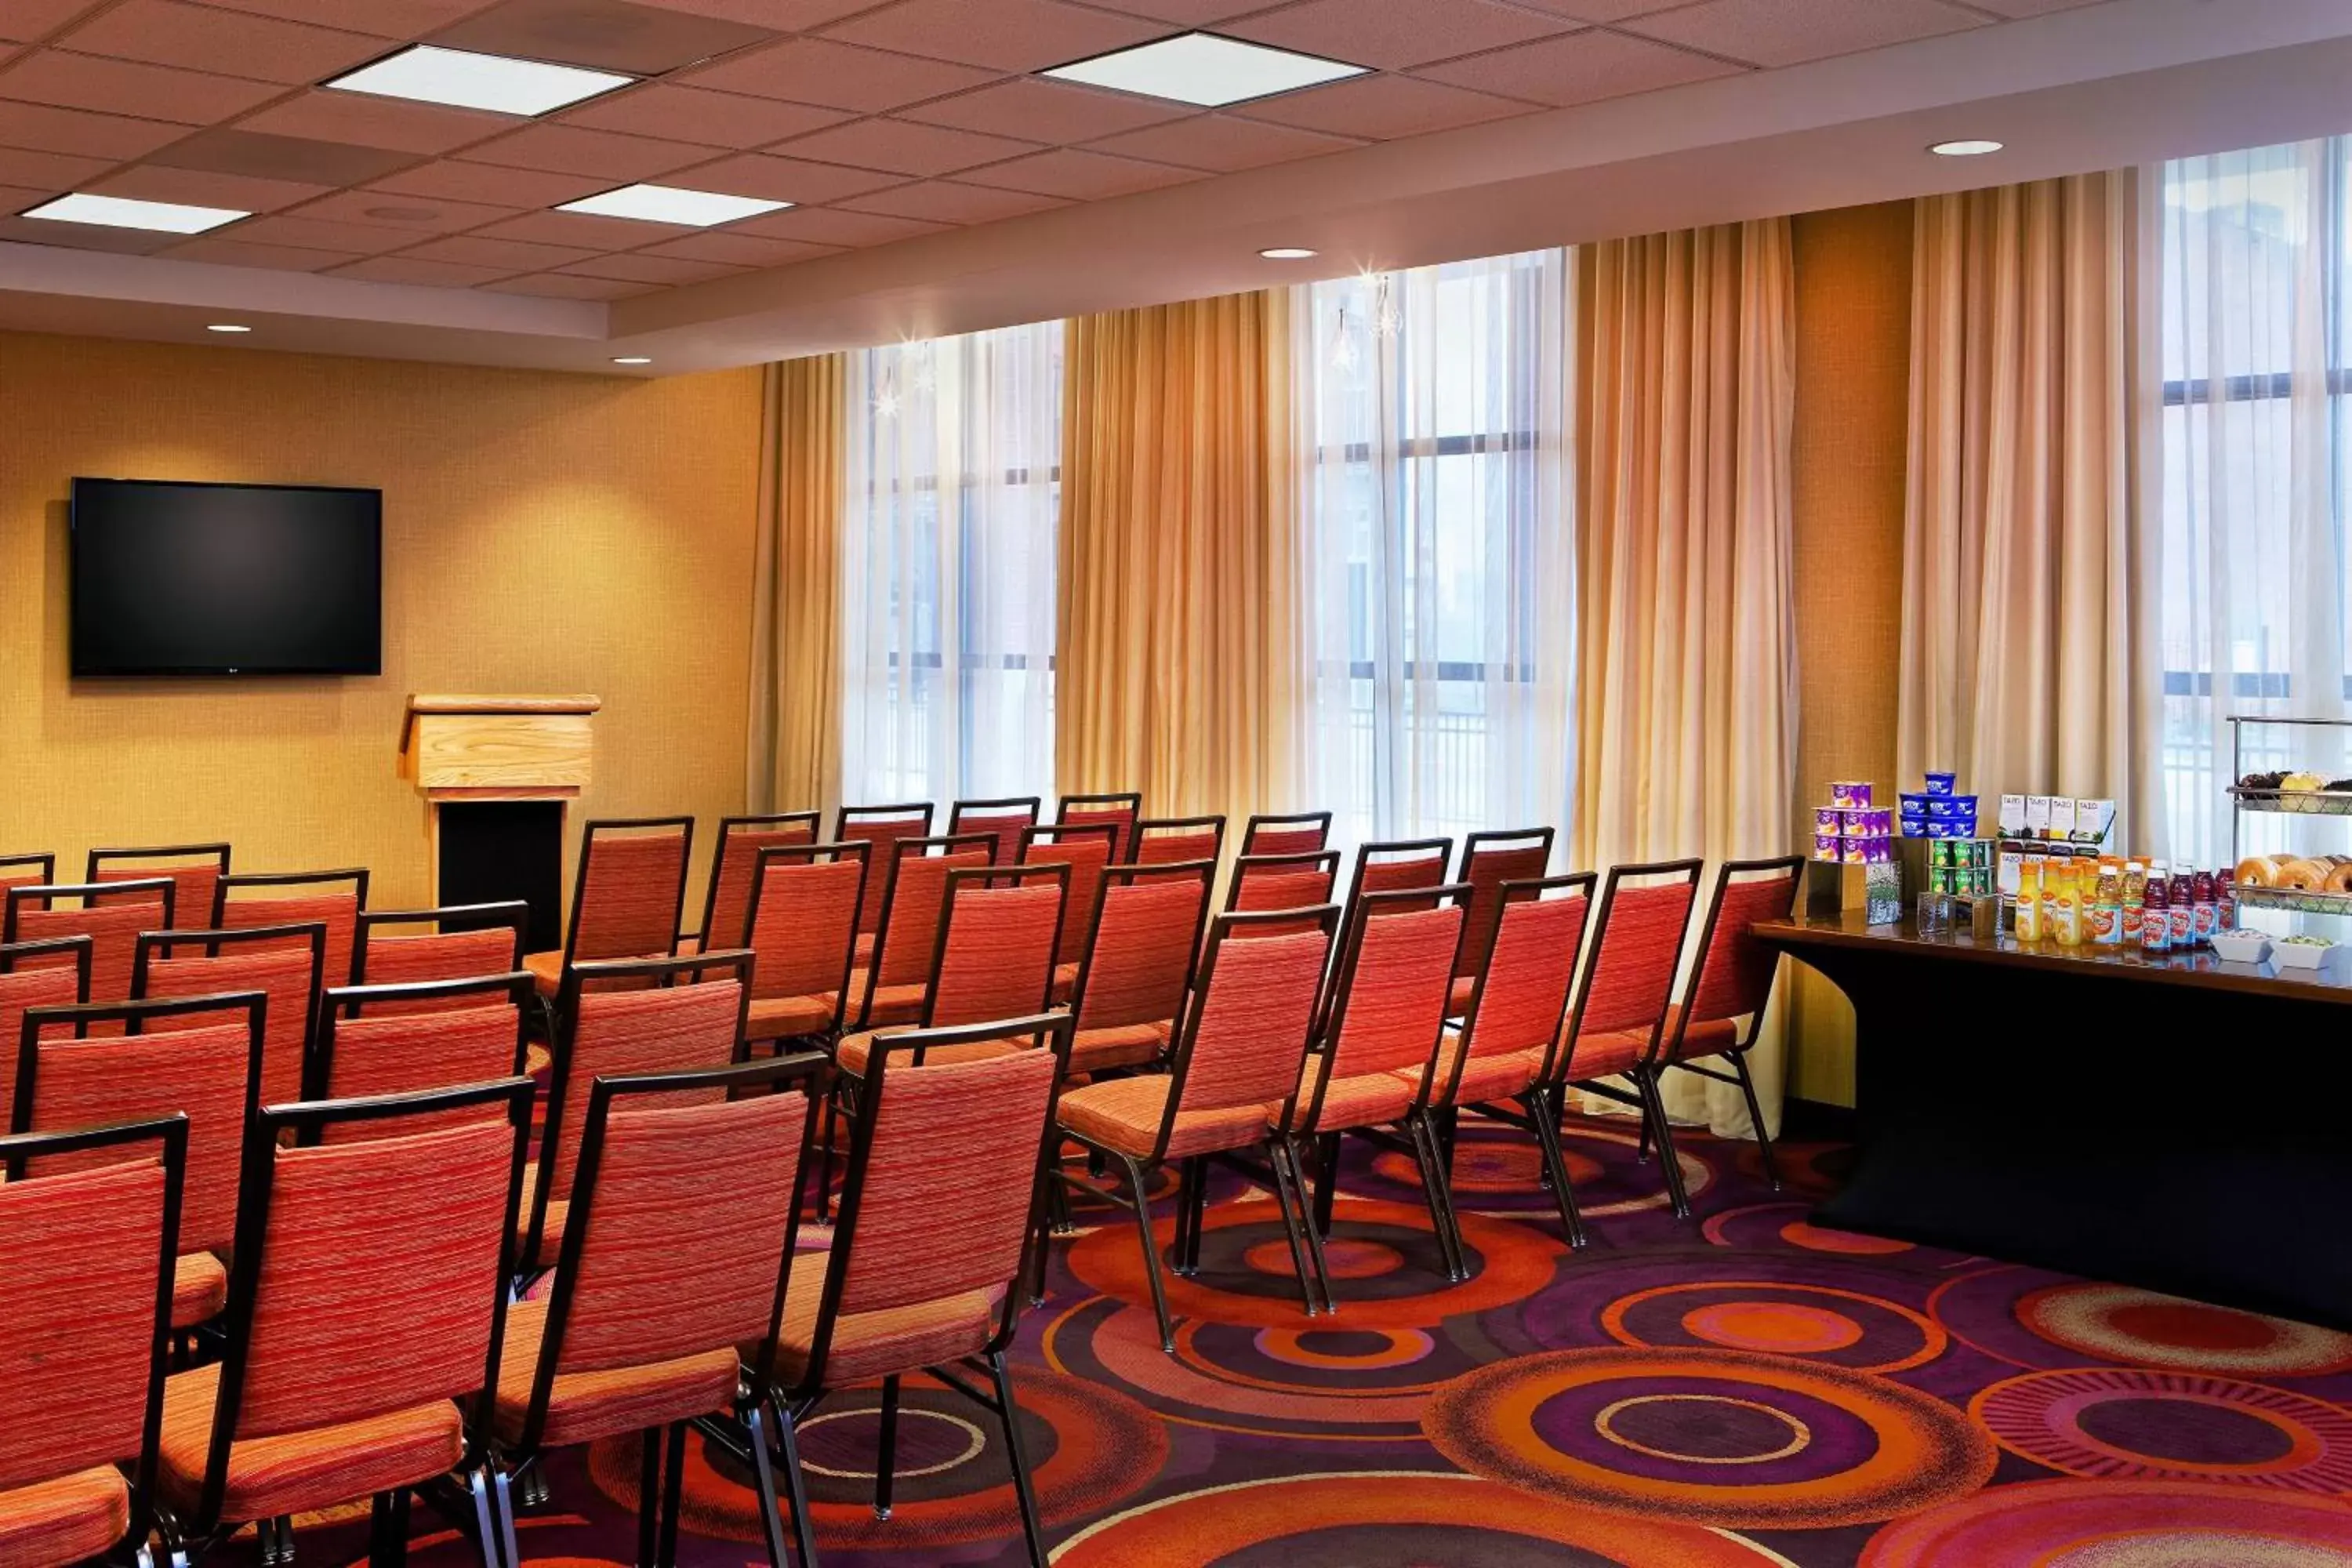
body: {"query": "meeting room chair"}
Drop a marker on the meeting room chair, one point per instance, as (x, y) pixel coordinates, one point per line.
(375, 1040)
(1007, 819)
(334, 898)
(1121, 810)
(461, 941)
(36, 913)
(1489, 859)
(1129, 994)
(283, 963)
(884, 827)
(1731, 981)
(49, 973)
(891, 986)
(1161, 840)
(625, 898)
(803, 941)
(196, 869)
(1287, 833)
(1297, 881)
(727, 893)
(1393, 866)
(35, 869)
(89, 1221)
(1088, 851)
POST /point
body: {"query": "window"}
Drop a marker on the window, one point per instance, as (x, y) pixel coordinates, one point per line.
(1439, 550)
(953, 490)
(2257, 454)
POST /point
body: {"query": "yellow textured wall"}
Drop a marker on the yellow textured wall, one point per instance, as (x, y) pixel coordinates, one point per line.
(542, 532)
(1854, 347)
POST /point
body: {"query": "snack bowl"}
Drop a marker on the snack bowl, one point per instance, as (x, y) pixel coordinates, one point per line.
(2241, 946)
(2308, 952)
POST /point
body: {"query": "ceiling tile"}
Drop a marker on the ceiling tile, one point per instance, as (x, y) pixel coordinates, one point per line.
(783, 15)
(903, 147)
(321, 234)
(784, 179)
(1785, 32)
(514, 255)
(204, 188)
(371, 122)
(742, 249)
(663, 269)
(1603, 10)
(832, 225)
(1079, 175)
(949, 200)
(228, 151)
(1185, 13)
(74, 236)
(25, 170)
(2020, 8)
(382, 18)
(603, 35)
(415, 270)
(584, 230)
(166, 32)
(232, 252)
(127, 87)
(419, 215)
(1050, 112)
(711, 119)
(27, 20)
(607, 155)
(1009, 35)
(1394, 37)
(811, 70)
(565, 286)
(487, 183)
(1222, 144)
(1579, 68)
(1382, 108)
(108, 136)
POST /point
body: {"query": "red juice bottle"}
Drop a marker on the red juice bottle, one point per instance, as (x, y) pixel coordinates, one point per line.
(2225, 900)
(2181, 906)
(2206, 910)
(2154, 925)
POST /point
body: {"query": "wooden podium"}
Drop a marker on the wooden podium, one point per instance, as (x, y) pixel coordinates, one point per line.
(496, 772)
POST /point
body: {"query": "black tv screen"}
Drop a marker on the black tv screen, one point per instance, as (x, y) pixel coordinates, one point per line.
(197, 579)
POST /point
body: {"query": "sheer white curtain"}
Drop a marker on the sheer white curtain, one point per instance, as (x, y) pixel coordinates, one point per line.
(1439, 545)
(950, 499)
(2257, 437)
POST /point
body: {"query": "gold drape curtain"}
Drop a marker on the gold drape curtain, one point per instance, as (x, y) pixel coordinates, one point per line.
(1179, 659)
(793, 760)
(2029, 592)
(1687, 723)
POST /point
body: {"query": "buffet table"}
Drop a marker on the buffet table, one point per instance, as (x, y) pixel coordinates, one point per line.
(2174, 1122)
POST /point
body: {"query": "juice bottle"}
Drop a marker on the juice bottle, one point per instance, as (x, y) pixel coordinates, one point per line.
(2181, 906)
(2206, 912)
(2060, 868)
(2134, 894)
(2156, 925)
(2106, 903)
(2028, 899)
(2066, 908)
(2225, 900)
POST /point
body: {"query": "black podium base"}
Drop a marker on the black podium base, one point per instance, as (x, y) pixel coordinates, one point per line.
(494, 850)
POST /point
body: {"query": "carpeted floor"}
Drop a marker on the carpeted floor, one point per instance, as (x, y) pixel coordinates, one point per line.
(1740, 1389)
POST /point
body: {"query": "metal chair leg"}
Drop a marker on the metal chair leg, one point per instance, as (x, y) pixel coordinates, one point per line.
(649, 1486)
(1187, 1174)
(796, 1485)
(388, 1529)
(885, 1455)
(1136, 1181)
(673, 1494)
(1326, 1185)
(1654, 1113)
(763, 1473)
(503, 1501)
(1435, 1190)
(1200, 1215)
(487, 1518)
(1031, 1528)
(1755, 1120)
(1555, 1163)
(1314, 1236)
(1278, 1158)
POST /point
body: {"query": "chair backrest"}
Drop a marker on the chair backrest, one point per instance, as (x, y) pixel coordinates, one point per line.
(1005, 818)
(914, 901)
(334, 898)
(1253, 1013)
(804, 932)
(1636, 947)
(631, 888)
(1147, 937)
(369, 1277)
(1120, 809)
(1169, 840)
(1489, 860)
(467, 943)
(196, 869)
(1520, 999)
(87, 1252)
(52, 973)
(882, 826)
(283, 963)
(1287, 833)
(944, 1188)
(31, 913)
(374, 1040)
(1396, 866)
(1389, 990)
(1088, 851)
(727, 895)
(35, 869)
(1262, 882)
(996, 944)
(1733, 975)
(651, 1269)
(210, 1073)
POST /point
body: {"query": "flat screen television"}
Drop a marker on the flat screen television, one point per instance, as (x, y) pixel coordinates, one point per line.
(201, 579)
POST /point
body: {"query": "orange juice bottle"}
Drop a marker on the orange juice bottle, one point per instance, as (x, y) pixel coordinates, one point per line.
(2029, 898)
(2066, 906)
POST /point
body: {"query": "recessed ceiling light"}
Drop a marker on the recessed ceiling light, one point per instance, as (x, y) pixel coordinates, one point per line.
(463, 79)
(228, 327)
(634, 359)
(121, 212)
(671, 204)
(1964, 149)
(1286, 253)
(1206, 70)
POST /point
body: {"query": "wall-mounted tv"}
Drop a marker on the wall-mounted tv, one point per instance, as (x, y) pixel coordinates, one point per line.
(200, 579)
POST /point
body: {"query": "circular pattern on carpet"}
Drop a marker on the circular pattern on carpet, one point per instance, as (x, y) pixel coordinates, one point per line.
(2120, 1524)
(1497, 1171)
(1390, 1519)
(1845, 1328)
(2123, 1422)
(1768, 1226)
(2120, 1323)
(1716, 1437)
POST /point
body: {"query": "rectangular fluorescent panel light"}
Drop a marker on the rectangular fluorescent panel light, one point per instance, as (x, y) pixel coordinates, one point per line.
(463, 79)
(670, 204)
(1206, 70)
(121, 212)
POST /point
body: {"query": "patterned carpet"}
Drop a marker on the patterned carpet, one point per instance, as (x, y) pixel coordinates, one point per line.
(1742, 1389)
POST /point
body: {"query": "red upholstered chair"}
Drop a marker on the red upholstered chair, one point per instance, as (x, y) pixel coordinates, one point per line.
(283, 963)
(334, 898)
(1167, 840)
(196, 869)
(1006, 819)
(375, 1040)
(941, 1200)
(627, 900)
(1088, 851)
(364, 1322)
(1262, 882)
(657, 1287)
(1396, 866)
(465, 941)
(892, 985)
(1617, 1023)
(1287, 833)
(52, 973)
(37, 912)
(1121, 810)
(1384, 1018)
(803, 939)
(1732, 981)
(726, 894)
(1237, 1059)
(627, 1015)
(994, 957)
(1489, 860)
(89, 1228)
(883, 826)
(35, 869)
(1501, 1058)
(1130, 990)
(154, 1063)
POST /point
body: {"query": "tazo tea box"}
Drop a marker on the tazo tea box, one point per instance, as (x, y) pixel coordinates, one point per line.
(2093, 818)
(2012, 816)
(2061, 817)
(2037, 817)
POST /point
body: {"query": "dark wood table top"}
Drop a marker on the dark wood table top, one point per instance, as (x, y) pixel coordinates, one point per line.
(2203, 970)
